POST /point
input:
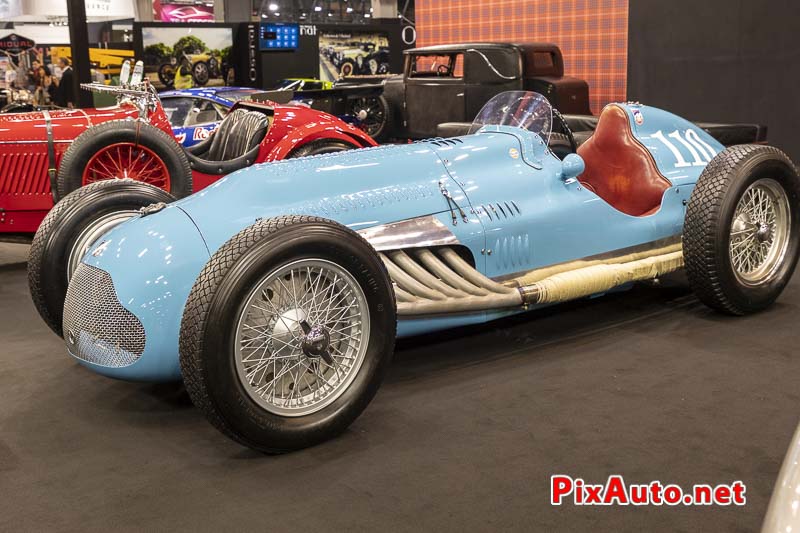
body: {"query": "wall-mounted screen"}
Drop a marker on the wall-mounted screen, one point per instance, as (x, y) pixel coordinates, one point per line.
(279, 36)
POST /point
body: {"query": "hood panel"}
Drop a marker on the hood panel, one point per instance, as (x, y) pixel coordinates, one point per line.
(67, 123)
(360, 188)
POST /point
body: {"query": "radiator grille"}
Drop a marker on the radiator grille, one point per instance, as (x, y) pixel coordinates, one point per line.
(24, 173)
(97, 329)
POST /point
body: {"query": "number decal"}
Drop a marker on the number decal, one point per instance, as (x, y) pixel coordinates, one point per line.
(700, 151)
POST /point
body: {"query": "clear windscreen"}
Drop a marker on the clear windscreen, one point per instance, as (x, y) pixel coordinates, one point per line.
(519, 109)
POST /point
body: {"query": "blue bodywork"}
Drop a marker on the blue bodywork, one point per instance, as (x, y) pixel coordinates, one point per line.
(154, 260)
(222, 96)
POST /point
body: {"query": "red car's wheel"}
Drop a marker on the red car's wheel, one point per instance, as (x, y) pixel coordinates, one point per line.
(127, 160)
(120, 149)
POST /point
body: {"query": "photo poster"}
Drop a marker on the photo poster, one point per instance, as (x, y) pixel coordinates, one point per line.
(343, 54)
(187, 56)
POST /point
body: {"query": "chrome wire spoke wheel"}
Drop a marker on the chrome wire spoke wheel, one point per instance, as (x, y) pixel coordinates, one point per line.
(301, 337)
(94, 231)
(760, 232)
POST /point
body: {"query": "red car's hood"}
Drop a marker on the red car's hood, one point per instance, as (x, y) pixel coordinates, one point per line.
(67, 123)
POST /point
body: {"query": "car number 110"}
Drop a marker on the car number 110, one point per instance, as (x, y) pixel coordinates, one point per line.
(701, 152)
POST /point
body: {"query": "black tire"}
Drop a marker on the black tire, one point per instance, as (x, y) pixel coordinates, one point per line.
(708, 223)
(136, 132)
(208, 330)
(166, 74)
(200, 73)
(322, 146)
(379, 114)
(48, 272)
(560, 145)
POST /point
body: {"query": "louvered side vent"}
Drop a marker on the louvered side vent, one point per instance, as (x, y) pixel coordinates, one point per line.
(497, 211)
(23, 174)
(513, 252)
(446, 142)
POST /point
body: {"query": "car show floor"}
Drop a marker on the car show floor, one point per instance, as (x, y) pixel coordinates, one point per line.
(463, 435)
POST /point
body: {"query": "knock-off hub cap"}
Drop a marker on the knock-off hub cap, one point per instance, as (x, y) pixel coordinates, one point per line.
(315, 343)
(760, 232)
(301, 337)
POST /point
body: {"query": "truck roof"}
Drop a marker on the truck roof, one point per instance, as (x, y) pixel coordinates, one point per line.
(460, 47)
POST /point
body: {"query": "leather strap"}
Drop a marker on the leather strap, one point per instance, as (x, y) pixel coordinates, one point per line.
(51, 155)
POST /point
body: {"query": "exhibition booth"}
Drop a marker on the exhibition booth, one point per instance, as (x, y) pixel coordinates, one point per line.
(396, 264)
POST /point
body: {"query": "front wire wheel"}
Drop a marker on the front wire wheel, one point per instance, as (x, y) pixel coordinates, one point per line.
(288, 332)
(300, 338)
(760, 230)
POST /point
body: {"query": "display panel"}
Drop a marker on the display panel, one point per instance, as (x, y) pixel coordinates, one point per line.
(187, 56)
(279, 36)
(343, 54)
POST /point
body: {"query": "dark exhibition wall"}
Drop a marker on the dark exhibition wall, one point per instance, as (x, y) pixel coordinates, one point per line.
(745, 70)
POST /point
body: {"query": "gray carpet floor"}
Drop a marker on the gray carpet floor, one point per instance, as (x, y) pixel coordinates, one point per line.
(464, 434)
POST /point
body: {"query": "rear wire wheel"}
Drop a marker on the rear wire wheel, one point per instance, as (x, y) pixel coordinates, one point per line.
(741, 236)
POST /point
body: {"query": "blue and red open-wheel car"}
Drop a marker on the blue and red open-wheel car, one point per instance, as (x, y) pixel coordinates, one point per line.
(277, 293)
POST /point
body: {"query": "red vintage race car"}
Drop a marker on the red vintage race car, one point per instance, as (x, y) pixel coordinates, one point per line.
(46, 155)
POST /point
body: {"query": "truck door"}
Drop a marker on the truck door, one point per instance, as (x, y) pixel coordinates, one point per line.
(434, 92)
(490, 70)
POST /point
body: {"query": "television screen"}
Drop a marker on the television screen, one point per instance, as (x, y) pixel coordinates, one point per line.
(279, 36)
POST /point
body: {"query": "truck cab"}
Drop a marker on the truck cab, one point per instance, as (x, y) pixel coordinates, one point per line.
(450, 83)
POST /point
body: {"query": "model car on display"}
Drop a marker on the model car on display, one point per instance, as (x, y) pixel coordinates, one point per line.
(195, 113)
(277, 293)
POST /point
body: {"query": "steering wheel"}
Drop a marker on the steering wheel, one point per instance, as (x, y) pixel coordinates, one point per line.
(443, 70)
(560, 126)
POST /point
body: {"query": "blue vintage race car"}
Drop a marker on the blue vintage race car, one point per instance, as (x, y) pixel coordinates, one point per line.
(276, 294)
(195, 113)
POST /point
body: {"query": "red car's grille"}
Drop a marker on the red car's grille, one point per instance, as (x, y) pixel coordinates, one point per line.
(24, 173)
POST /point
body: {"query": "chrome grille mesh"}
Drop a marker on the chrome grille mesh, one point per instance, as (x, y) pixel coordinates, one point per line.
(97, 328)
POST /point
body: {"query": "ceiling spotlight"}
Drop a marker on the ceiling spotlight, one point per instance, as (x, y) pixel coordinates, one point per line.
(349, 9)
(367, 15)
(273, 7)
(318, 8)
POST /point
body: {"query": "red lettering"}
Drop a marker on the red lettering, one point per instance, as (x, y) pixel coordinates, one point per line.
(639, 494)
(722, 495)
(738, 493)
(655, 492)
(593, 494)
(702, 494)
(560, 486)
(672, 494)
(615, 489)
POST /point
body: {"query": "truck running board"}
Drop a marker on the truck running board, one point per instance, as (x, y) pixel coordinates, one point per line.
(438, 281)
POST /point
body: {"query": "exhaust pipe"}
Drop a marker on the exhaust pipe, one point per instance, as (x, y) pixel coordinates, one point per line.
(442, 282)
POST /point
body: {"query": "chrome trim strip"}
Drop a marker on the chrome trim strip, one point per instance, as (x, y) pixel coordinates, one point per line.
(34, 142)
(414, 232)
